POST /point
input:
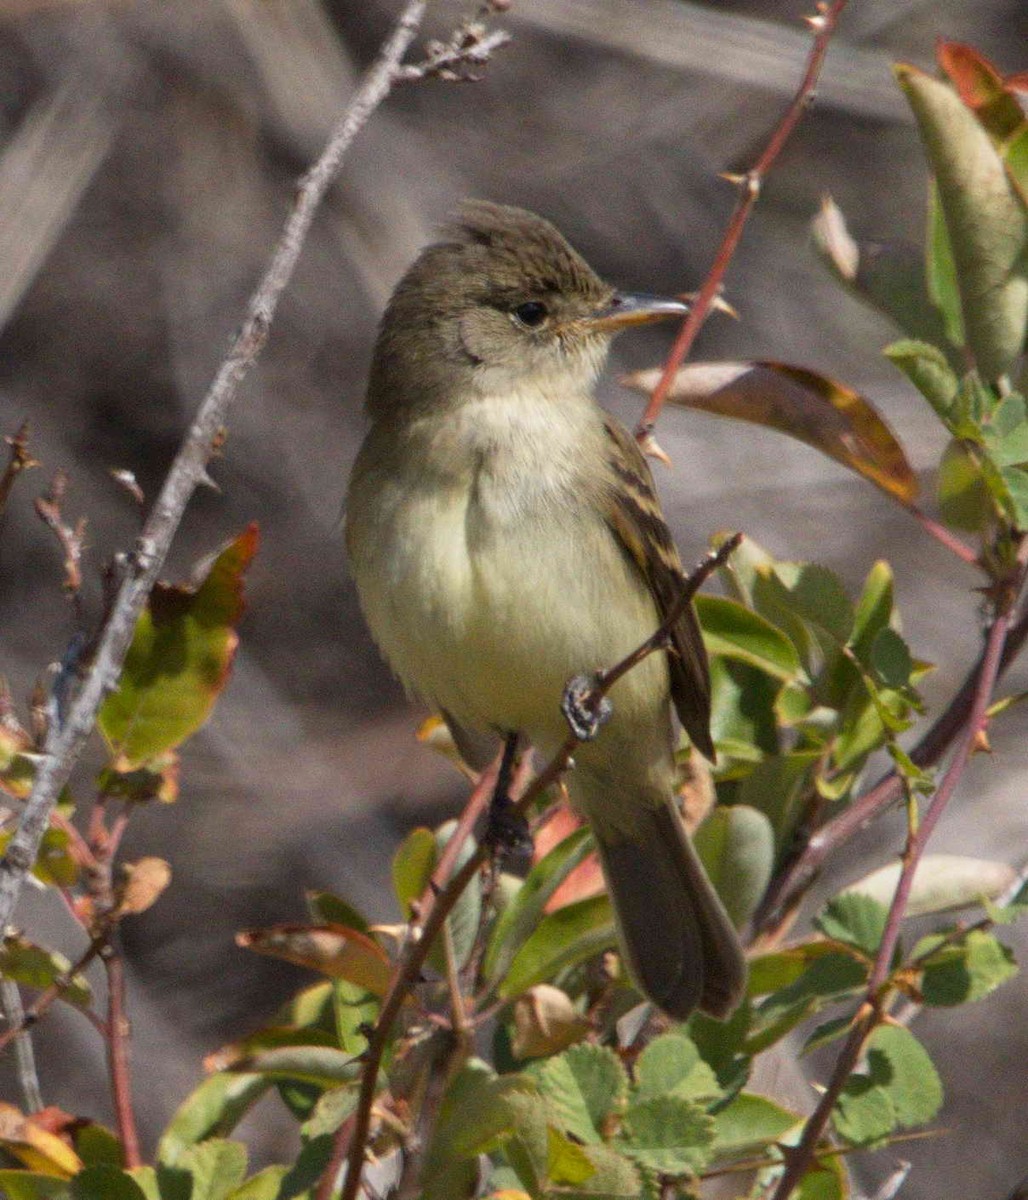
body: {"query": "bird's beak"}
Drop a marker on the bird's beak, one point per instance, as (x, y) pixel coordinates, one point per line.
(627, 309)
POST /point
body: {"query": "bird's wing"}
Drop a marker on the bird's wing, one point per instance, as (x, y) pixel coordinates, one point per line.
(633, 513)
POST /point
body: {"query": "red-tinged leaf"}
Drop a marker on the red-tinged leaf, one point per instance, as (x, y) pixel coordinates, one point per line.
(179, 660)
(584, 880)
(982, 88)
(333, 950)
(809, 407)
(34, 1146)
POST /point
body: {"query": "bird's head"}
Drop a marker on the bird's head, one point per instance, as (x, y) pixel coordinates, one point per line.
(501, 304)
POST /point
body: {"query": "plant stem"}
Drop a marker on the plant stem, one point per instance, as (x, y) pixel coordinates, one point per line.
(750, 184)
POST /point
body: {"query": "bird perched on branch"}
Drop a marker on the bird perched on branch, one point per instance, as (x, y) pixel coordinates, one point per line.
(505, 536)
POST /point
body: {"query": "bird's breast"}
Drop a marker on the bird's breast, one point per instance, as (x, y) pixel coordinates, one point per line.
(485, 573)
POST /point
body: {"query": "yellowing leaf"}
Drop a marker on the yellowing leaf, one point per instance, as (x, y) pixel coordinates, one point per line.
(179, 660)
(333, 950)
(143, 884)
(809, 407)
(35, 1146)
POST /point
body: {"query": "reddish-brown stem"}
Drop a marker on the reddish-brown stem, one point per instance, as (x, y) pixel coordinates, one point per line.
(118, 1033)
(797, 877)
(800, 1158)
(943, 536)
(824, 24)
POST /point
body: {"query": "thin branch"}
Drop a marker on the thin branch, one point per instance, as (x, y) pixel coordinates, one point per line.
(20, 460)
(750, 184)
(65, 740)
(24, 1055)
(793, 881)
(443, 893)
(944, 537)
(118, 1041)
(70, 540)
(872, 1011)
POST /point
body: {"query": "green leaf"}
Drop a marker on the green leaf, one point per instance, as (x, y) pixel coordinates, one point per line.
(929, 371)
(561, 939)
(941, 271)
(36, 967)
(265, 1185)
(736, 845)
(567, 1163)
(668, 1134)
(899, 1089)
(830, 976)
(584, 1085)
(475, 1117)
(777, 788)
(611, 1177)
(1015, 481)
(211, 1110)
(179, 660)
(671, 1066)
(96, 1145)
(413, 864)
(213, 1169)
(967, 971)
(750, 1123)
(986, 219)
(33, 1185)
(722, 1045)
(873, 612)
(464, 919)
(856, 919)
(1006, 433)
(742, 721)
(328, 909)
(330, 1111)
(105, 1182)
(733, 631)
(322, 1066)
(891, 659)
(828, 1032)
(815, 595)
(526, 909)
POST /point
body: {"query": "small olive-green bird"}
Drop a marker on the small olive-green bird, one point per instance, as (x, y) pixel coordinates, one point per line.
(504, 536)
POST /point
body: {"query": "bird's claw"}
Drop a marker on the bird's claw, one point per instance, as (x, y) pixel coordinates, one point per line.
(507, 829)
(584, 709)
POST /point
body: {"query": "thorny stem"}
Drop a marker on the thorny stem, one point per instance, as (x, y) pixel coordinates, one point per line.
(793, 881)
(872, 1011)
(442, 894)
(750, 184)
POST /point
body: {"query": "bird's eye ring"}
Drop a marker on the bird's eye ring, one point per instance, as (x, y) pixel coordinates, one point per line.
(531, 314)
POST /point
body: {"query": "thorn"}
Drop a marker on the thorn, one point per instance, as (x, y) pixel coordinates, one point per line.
(125, 478)
(206, 481)
(732, 177)
(817, 22)
(649, 445)
(722, 305)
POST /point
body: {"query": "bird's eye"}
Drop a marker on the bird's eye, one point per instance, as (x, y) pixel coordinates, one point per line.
(531, 314)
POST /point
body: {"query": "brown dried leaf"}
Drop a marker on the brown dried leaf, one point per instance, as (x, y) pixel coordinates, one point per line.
(809, 407)
(333, 950)
(143, 883)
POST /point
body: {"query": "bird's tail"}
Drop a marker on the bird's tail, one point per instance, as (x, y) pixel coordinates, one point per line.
(680, 945)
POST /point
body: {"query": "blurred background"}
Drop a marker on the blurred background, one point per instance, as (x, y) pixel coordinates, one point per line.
(148, 155)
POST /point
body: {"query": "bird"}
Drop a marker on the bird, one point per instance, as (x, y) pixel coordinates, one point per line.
(504, 535)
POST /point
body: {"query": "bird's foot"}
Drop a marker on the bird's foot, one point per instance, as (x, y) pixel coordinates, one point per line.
(585, 709)
(507, 829)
